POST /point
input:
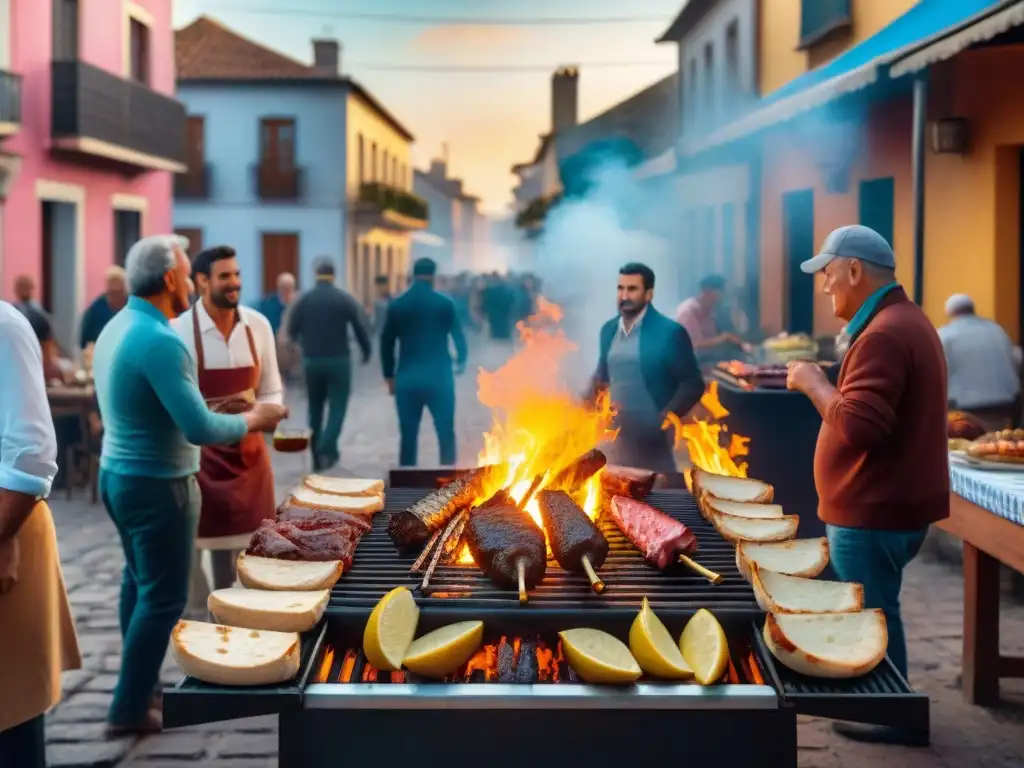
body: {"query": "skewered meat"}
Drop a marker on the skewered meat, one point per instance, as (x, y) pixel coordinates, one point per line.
(627, 481)
(572, 534)
(308, 518)
(500, 537)
(286, 541)
(659, 537)
(581, 470)
(413, 527)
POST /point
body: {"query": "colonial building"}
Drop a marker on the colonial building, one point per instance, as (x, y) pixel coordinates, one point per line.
(289, 163)
(91, 134)
(457, 236)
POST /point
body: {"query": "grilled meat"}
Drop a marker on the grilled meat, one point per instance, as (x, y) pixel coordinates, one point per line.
(572, 534)
(309, 519)
(659, 537)
(502, 535)
(286, 541)
(627, 481)
(577, 473)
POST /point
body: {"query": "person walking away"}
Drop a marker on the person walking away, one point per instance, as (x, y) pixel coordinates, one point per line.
(236, 363)
(498, 305)
(421, 321)
(699, 316)
(38, 639)
(884, 423)
(103, 309)
(646, 363)
(320, 323)
(382, 285)
(984, 377)
(273, 305)
(154, 417)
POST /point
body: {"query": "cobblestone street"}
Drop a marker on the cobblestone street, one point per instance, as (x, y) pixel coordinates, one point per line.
(962, 736)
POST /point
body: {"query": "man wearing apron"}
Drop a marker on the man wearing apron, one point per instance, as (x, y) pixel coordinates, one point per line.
(236, 361)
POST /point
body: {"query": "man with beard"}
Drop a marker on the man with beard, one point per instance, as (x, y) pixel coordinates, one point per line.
(154, 416)
(236, 359)
(647, 364)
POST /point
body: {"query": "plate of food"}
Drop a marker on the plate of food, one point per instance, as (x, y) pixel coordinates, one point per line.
(998, 451)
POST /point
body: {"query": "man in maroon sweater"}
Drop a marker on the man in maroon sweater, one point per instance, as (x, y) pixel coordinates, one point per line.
(881, 467)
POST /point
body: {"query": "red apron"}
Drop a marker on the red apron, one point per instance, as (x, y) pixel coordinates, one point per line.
(237, 481)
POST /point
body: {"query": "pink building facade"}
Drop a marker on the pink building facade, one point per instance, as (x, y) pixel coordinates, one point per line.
(91, 139)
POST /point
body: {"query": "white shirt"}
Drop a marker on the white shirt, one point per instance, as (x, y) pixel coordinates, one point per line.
(28, 444)
(639, 319)
(981, 363)
(220, 354)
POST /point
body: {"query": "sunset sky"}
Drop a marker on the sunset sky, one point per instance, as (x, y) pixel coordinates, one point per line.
(489, 119)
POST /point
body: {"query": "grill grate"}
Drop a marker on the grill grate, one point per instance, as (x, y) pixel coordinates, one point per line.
(378, 568)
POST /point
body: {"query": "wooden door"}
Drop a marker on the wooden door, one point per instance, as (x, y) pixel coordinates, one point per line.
(280, 255)
(798, 246)
(876, 201)
(139, 40)
(127, 232)
(194, 237)
(277, 142)
(45, 293)
(195, 143)
(65, 30)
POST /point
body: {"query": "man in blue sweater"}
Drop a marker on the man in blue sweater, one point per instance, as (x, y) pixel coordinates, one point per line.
(155, 417)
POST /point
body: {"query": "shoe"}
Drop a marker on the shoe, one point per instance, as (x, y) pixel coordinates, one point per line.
(880, 734)
(153, 723)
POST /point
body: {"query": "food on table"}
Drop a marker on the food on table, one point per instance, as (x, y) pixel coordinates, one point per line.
(798, 557)
(222, 655)
(440, 653)
(292, 440)
(288, 575)
(734, 529)
(390, 630)
(598, 657)
(288, 541)
(303, 496)
(414, 527)
(659, 537)
(963, 425)
(959, 444)
(779, 593)
(261, 609)
(705, 648)
(627, 481)
(838, 645)
(576, 474)
(577, 544)
(308, 519)
(1005, 446)
(344, 486)
(743, 508)
(507, 545)
(654, 649)
(730, 488)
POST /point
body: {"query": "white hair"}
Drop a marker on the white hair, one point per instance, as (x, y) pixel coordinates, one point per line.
(959, 304)
(149, 260)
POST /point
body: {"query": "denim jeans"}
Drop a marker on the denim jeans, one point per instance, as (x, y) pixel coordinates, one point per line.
(328, 385)
(438, 397)
(876, 559)
(156, 520)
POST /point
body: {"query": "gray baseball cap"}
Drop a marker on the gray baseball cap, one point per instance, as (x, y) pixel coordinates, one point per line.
(852, 242)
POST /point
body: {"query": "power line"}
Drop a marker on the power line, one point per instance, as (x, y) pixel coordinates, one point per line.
(510, 68)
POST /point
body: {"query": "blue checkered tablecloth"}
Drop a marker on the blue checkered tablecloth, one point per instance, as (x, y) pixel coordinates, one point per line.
(1001, 493)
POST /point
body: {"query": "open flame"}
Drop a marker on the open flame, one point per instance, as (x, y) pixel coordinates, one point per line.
(703, 439)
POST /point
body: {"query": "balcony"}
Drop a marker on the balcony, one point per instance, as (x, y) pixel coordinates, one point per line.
(10, 103)
(384, 207)
(277, 182)
(820, 18)
(193, 184)
(99, 115)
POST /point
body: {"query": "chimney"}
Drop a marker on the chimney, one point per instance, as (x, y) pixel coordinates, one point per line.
(327, 57)
(565, 97)
(438, 169)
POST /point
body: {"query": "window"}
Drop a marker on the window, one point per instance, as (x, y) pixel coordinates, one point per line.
(691, 92)
(138, 36)
(386, 167)
(277, 142)
(396, 180)
(732, 65)
(373, 162)
(709, 80)
(729, 241)
(65, 30)
(194, 235)
(819, 18)
(362, 160)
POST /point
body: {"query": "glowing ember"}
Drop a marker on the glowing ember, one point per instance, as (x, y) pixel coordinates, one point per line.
(703, 439)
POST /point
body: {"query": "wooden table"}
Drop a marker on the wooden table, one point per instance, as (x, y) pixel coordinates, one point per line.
(988, 541)
(75, 402)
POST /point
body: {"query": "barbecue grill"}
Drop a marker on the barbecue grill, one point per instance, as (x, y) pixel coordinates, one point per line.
(517, 698)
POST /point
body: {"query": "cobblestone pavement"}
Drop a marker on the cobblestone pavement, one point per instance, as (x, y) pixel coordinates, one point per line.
(962, 736)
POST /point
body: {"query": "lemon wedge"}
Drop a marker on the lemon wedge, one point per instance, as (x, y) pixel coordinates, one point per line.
(390, 629)
(599, 657)
(704, 647)
(654, 649)
(441, 652)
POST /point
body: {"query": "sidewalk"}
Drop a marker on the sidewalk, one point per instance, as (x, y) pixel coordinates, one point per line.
(962, 736)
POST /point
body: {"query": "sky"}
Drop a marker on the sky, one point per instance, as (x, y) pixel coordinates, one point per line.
(490, 120)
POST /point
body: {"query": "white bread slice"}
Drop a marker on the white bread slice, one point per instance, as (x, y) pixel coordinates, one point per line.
(287, 575)
(365, 506)
(798, 557)
(779, 593)
(734, 529)
(344, 486)
(742, 508)
(837, 645)
(264, 609)
(732, 488)
(224, 655)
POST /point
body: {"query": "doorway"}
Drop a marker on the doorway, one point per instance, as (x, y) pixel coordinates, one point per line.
(876, 206)
(797, 247)
(59, 275)
(1020, 224)
(127, 232)
(280, 255)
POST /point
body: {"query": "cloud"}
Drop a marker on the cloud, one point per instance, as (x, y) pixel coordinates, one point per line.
(456, 40)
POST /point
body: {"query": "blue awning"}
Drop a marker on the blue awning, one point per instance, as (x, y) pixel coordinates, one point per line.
(851, 71)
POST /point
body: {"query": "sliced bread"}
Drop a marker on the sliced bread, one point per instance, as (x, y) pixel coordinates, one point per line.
(731, 488)
(779, 593)
(221, 655)
(837, 645)
(277, 611)
(798, 557)
(742, 508)
(366, 506)
(734, 529)
(287, 575)
(344, 486)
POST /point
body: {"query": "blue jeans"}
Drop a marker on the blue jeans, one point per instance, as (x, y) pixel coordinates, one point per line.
(876, 559)
(156, 520)
(438, 397)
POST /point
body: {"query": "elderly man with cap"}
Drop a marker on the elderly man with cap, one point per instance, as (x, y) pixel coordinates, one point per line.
(881, 467)
(320, 320)
(984, 374)
(421, 321)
